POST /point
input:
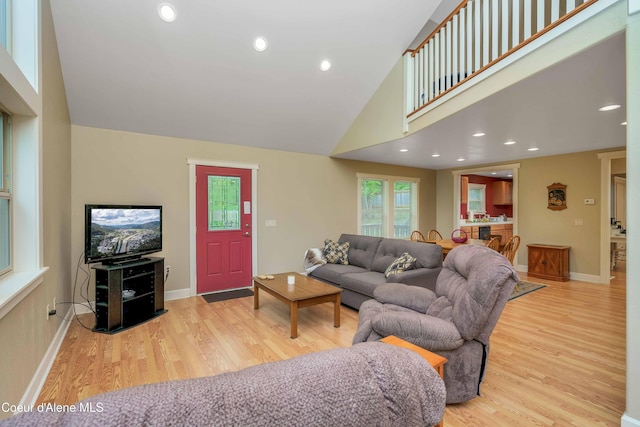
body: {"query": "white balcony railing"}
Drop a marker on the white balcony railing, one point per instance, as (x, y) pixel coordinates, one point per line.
(475, 36)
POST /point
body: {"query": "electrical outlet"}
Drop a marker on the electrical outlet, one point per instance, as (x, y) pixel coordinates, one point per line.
(47, 312)
(167, 270)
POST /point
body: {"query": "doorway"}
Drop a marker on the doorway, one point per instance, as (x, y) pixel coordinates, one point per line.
(222, 224)
(459, 200)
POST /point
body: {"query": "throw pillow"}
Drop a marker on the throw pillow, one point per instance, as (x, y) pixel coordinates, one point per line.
(403, 263)
(336, 253)
(313, 259)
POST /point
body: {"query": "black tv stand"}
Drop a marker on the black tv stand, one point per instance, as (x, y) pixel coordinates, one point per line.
(128, 293)
(124, 261)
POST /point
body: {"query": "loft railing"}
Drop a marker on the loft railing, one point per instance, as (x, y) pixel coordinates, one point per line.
(475, 36)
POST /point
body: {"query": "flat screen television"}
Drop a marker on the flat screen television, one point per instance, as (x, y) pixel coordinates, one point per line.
(120, 233)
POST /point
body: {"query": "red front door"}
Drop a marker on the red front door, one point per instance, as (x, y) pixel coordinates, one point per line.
(223, 228)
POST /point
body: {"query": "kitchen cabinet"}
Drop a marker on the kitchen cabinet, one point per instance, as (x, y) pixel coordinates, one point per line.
(549, 262)
(472, 232)
(464, 189)
(502, 193)
(505, 231)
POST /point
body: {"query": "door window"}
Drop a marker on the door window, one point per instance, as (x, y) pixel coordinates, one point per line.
(224, 203)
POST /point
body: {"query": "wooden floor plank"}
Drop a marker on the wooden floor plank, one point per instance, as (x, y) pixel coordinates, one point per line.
(557, 354)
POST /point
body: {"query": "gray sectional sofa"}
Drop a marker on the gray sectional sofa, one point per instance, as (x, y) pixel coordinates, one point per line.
(365, 385)
(369, 257)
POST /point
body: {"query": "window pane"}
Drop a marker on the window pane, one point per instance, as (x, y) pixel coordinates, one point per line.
(2, 157)
(4, 234)
(402, 209)
(372, 212)
(4, 24)
(477, 198)
(224, 203)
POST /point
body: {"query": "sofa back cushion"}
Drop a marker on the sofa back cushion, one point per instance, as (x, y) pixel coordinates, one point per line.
(362, 249)
(427, 255)
(472, 289)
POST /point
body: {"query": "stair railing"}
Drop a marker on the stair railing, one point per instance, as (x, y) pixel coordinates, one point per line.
(475, 36)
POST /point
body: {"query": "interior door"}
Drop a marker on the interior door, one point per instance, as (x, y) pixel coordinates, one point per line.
(223, 228)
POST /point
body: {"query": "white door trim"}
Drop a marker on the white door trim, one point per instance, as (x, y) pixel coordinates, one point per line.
(605, 212)
(192, 214)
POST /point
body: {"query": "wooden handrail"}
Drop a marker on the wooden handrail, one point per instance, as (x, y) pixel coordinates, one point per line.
(439, 27)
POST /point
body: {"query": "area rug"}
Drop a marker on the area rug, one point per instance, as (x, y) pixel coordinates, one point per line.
(223, 296)
(524, 288)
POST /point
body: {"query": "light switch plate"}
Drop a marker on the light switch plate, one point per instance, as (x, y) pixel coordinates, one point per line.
(589, 201)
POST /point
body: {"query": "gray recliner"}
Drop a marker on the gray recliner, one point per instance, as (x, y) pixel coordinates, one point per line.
(455, 321)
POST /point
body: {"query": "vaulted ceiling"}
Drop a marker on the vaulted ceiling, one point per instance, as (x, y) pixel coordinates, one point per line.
(200, 78)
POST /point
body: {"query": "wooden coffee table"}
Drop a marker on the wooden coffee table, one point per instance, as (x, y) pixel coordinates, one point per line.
(305, 292)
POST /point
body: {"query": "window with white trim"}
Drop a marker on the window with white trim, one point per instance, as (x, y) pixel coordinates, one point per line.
(387, 206)
(5, 193)
(477, 198)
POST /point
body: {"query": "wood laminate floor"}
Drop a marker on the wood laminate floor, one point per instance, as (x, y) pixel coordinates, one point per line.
(557, 354)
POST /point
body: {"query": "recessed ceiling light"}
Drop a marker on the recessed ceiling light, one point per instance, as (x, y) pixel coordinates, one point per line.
(533, 149)
(479, 134)
(325, 65)
(403, 150)
(435, 155)
(460, 159)
(509, 143)
(623, 123)
(609, 107)
(167, 12)
(260, 44)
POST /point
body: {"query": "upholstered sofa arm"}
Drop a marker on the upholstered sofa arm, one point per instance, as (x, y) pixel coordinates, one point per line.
(413, 297)
(420, 329)
(367, 384)
(423, 277)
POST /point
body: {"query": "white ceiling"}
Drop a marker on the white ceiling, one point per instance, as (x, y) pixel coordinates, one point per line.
(199, 78)
(555, 110)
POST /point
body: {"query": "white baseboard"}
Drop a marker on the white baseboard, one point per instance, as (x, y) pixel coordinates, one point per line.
(584, 277)
(83, 309)
(37, 381)
(591, 278)
(179, 294)
(627, 421)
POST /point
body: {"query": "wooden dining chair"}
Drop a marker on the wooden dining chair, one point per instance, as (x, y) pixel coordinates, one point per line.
(494, 244)
(510, 248)
(433, 236)
(417, 236)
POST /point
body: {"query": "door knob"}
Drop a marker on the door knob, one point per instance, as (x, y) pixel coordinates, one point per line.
(247, 234)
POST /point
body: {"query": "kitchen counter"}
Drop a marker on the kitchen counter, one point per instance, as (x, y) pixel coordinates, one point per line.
(464, 223)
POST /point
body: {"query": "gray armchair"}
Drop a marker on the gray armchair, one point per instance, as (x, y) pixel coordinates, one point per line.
(455, 321)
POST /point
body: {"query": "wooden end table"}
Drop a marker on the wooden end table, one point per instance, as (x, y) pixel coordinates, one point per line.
(434, 360)
(304, 293)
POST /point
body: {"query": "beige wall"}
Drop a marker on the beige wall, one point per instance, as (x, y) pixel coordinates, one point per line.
(25, 335)
(618, 166)
(381, 119)
(537, 224)
(311, 197)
